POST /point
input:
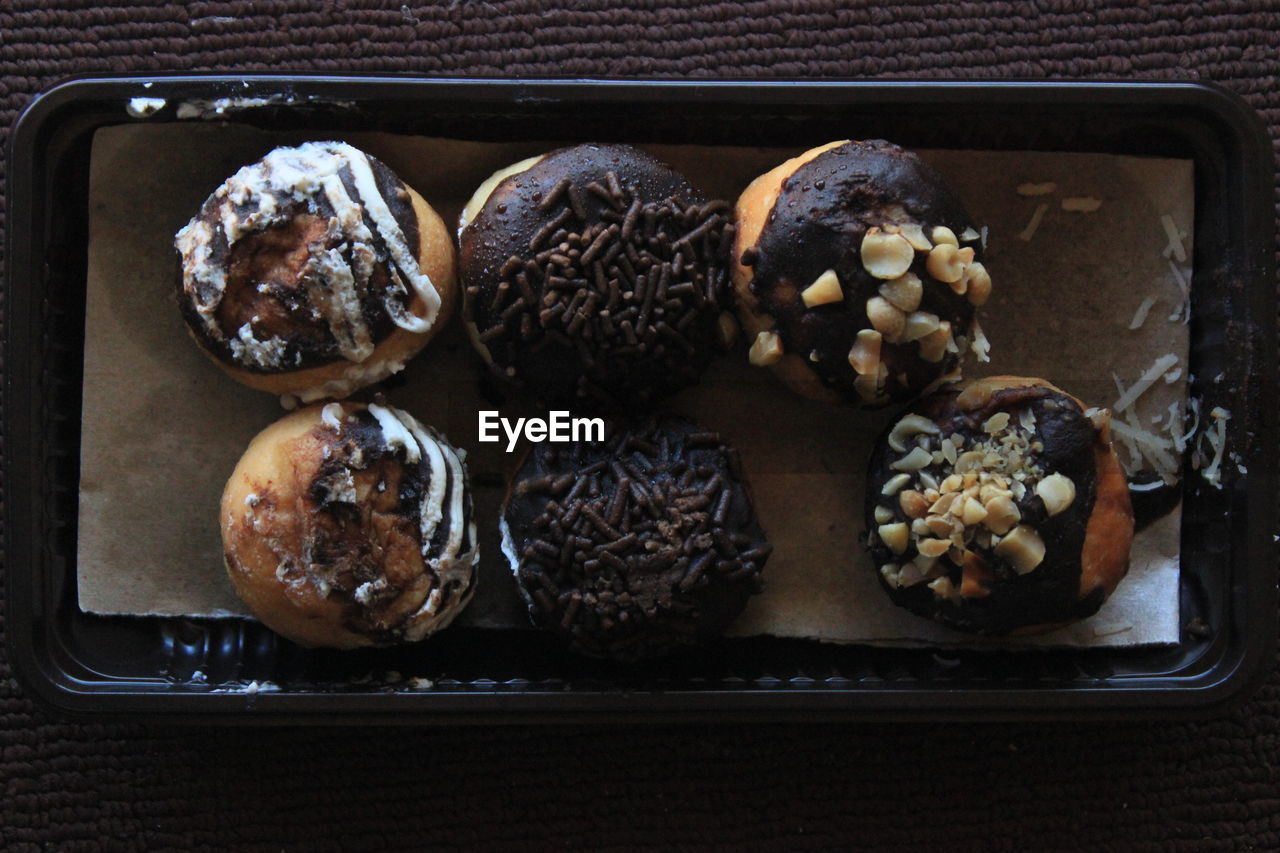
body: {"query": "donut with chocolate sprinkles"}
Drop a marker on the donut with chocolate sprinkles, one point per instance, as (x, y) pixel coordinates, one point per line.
(595, 276)
(314, 272)
(638, 545)
(349, 525)
(858, 274)
(999, 508)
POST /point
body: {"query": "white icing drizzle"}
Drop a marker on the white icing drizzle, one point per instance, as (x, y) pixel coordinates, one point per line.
(247, 349)
(445, 467)
(331, 416)
(433, 601)
(395, 431)
(508, 546)
(405, 258)
(442, 455)
(333, 291)
(432, 510)
(457, 507)
(195, 243)
(334, 284)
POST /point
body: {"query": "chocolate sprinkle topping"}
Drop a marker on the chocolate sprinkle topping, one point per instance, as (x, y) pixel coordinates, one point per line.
(635, 546)
(611, 273)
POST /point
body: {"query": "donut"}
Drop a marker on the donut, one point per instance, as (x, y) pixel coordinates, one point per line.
(999, 508)
(635, 546)
(595, 276)
(858, 273)
(314, 272)
(348, 525)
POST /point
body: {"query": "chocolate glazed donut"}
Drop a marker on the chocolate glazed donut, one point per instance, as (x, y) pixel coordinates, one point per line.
(314, 272)
(638, 545)
(595, 275)
(1000, 508)
(350, 525)
(857, 274)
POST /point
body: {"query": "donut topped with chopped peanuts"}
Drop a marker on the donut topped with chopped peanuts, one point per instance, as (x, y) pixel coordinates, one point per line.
(858, 273)
(999, 508)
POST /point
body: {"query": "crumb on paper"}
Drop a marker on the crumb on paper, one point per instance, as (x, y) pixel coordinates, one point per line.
(1148, 378)
(1034, 224)
(1174, 426)
(1148, 446)
(1143, 445)
(1183, 311)
(1034, 189)
(1140, 316)
(1081, 204)
(1174, 249)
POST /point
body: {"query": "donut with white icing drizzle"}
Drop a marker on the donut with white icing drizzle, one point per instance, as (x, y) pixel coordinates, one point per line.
(315, 272)
(348, 525)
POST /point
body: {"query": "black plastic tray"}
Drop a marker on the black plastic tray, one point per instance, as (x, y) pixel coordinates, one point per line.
(186, 669)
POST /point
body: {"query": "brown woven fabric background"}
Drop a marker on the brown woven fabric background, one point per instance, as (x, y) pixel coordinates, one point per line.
(1159, 786)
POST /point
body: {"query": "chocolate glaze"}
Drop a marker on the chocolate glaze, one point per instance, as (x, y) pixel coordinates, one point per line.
(264, 276)
(1048, 594)
(696, 557)
(592, 370)
(377, 541)
(818, 222)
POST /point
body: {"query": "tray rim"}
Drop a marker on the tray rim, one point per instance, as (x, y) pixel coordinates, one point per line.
(54, 688)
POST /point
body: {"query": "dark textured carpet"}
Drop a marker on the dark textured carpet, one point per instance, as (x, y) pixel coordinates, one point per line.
(1202, 786)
